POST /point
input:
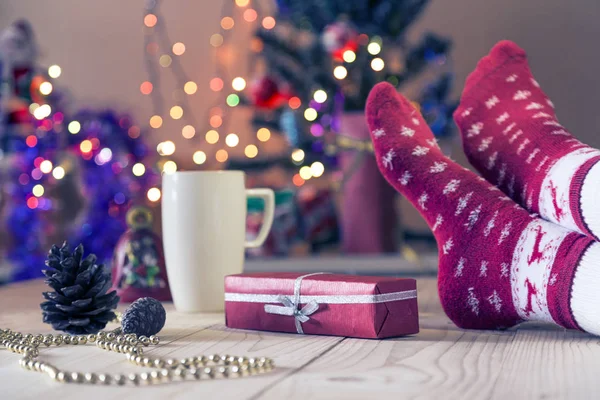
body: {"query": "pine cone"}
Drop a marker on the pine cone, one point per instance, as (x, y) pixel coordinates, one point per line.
(79, 305)
(145, 316)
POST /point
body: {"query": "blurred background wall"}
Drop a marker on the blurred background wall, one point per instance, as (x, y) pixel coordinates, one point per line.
(99, 45)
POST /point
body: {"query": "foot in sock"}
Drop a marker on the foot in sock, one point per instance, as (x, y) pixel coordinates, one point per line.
(512, 136)
(498, 264)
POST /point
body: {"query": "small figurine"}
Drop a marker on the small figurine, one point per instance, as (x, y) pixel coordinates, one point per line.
(139, 263)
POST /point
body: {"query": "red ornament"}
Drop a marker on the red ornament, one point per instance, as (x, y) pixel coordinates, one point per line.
(265, 93)
(339, 37)
(139, 264)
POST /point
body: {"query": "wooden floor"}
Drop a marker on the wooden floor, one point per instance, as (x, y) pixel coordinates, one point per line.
(442, 362)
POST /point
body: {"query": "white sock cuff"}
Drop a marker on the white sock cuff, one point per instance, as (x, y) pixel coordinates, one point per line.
(585, 294)
(590, 199)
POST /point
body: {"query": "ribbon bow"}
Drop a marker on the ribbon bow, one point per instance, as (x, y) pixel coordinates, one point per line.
(290, 307)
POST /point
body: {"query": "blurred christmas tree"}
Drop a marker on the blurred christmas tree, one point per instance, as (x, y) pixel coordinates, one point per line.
(64, 174)
(318, 59)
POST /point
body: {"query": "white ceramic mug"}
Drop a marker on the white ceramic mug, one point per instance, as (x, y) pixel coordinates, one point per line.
(204, 233)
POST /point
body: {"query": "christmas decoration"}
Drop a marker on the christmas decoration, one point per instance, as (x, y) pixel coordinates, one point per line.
(190, 368)
(65, 174)
(498, 265)
(541, 166)
(351, 306)
(80, 303)
(138, 264)
(265, 93)
(338, 38)
(146, 316)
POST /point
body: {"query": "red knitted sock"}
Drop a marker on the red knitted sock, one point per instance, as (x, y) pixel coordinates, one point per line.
(498, 264)
(511, 135)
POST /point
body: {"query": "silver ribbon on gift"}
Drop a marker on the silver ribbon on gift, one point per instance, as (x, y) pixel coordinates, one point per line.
(311, 302)
(290, 307)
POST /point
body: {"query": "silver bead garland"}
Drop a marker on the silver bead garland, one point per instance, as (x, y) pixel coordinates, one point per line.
(166, 370)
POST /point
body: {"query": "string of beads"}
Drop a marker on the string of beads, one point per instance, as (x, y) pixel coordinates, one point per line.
(166, 370)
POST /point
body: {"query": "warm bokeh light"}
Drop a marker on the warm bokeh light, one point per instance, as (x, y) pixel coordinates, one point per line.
(242, 3)
(32, 202)
(216, 121)
(156, 121)
(320, 96)
(251, 151)
(138, 169)
(45, 88)
(188, 132)
(169, 167)
(58, 173)
(263, 134)
(46, 166)
(31, 141)
(232, 140)
(165, 60)
(227, 23)
(74, 127)
(216, 40)
(85, 146)
(238, 84)
(42, 111)
(146, 87)
(340, 72)
(349, 56)
(216, 84)
(377, 64)
(305, 173)
(190, 87)
(150, 20)
(166, 148)
(250, 15)
(221, 155)
(54, 71)
(297, 180)
(317, 169)
(38, 190)
(176, 112)
(178, 48)
(153, 194)
(212, 137)
(268, 22)
(199, 157)
(298, 155)
(374, 48)
(310, 114)
(295, 103)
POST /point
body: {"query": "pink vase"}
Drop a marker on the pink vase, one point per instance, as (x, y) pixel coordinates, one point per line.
(369, 218)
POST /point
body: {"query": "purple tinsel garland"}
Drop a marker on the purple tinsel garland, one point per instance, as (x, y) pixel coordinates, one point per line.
(107, 185)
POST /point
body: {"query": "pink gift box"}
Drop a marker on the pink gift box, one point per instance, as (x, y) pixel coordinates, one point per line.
(322, 304)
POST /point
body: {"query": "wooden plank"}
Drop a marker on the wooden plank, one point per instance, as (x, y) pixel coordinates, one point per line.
(528, 362)
(184, 335)
(443, 361)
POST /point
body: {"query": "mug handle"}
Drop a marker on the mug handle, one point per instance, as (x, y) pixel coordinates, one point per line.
(268, 197)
